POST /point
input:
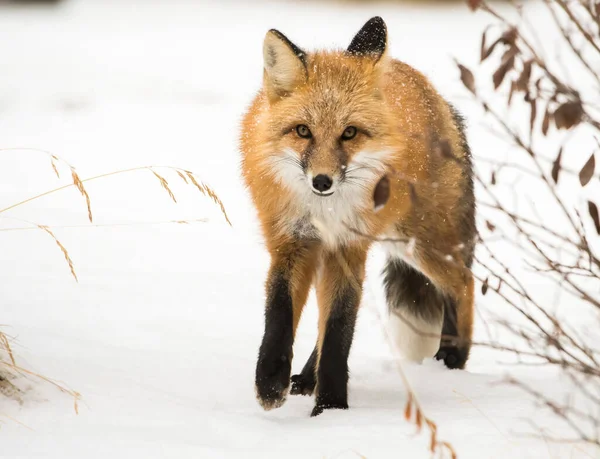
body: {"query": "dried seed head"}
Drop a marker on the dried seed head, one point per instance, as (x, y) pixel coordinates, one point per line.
(408, 408)
(165, 185)
(79, 184)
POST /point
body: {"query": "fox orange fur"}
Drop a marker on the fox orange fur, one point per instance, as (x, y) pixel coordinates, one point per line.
(324, 130)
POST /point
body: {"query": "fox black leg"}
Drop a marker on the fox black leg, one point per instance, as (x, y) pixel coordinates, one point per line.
(339, 291)
(454, 355)
(288, 284)
(332, 372)
(275, 354)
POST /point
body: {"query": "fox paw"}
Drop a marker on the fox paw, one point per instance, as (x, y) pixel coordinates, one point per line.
(302, 385)
(320, 407)
(272, 381)
(453, 357)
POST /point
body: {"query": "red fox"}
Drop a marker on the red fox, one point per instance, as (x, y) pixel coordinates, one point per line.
(321, 134)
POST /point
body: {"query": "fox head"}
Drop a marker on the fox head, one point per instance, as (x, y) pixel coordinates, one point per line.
(326, 117)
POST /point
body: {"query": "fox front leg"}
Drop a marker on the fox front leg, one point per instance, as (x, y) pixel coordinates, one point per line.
(339, 292)
(288, 283)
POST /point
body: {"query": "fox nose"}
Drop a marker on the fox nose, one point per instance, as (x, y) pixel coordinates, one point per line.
(322, 182)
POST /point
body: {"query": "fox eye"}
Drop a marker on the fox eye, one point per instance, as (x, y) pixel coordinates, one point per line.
(303, 131)
(349, 133)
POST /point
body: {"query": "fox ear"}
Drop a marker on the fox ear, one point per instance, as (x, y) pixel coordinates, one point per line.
(284, 64)
(371, 39)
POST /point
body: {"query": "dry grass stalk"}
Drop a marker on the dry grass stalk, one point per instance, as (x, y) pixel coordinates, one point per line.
(79, 183)
(76, 395)
(5, 346)
(105, 225)
(62, 248)
(10, 366)
(13, 369)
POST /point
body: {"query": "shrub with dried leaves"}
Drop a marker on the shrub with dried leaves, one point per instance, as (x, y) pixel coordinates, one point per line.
(558, 240)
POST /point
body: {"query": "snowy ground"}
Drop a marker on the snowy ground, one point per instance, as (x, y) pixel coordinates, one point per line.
(161, 333)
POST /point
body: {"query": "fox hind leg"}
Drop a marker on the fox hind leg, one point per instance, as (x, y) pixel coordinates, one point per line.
(455, 281)
(457, 329)
(304, 382)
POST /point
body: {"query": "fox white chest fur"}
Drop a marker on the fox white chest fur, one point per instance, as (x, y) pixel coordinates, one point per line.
(334, 217)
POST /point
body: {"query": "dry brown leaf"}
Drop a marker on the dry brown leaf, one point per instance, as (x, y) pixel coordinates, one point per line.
(587, 171)
(556, 165)
(593, 210)
(568, 115)
(467, 77)
(511, 92)
(509, 37)
(523, 80)
(474, 4)
(486, 51)
(381, 194)
(508, 62)
(484, 286)
(533, 115)
(546, 122)
(483, 50)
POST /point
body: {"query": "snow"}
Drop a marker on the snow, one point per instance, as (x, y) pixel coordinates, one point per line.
(160, 334)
